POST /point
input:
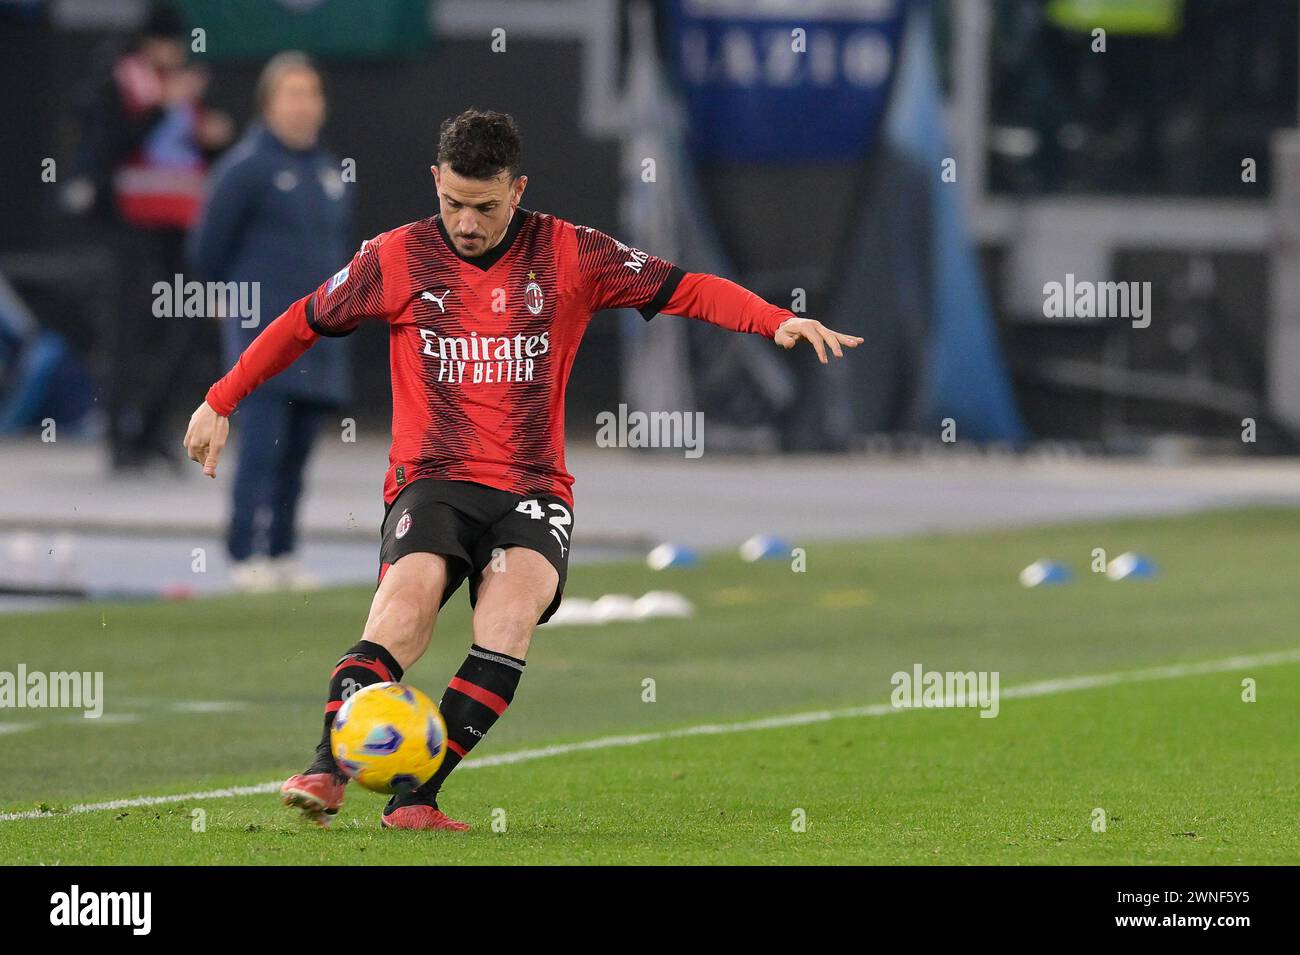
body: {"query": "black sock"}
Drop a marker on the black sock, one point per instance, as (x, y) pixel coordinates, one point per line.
(362, 665)
(475, 699)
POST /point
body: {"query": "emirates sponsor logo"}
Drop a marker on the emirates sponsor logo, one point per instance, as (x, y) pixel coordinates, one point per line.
(484, 359)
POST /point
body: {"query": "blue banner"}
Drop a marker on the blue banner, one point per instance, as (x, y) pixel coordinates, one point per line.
(965, 374)
(771, 81)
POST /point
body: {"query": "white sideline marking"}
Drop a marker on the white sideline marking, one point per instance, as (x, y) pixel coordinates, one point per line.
(1026, 690)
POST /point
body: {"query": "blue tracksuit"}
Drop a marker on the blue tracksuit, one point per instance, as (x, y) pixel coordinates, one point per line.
(282, 218)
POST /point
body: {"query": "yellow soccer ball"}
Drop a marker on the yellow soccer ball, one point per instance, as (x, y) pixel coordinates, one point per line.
(389, 737)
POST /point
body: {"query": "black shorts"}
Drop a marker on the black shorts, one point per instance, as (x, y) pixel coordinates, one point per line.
(468, 524)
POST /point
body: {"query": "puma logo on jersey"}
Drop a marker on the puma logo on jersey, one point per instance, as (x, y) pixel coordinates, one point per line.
(430, 297)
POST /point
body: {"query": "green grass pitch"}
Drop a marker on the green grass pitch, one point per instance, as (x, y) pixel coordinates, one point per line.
(1184, 770)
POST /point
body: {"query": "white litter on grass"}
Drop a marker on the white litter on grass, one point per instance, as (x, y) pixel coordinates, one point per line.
(207, 706)
(77, 719)
(192, 707)
(1024, 691)
(1130, 565)
(575, 611)
(764, 547)
(671, 555)
(1045, 572)
(662, 603)
(616, 608)
(106, 719)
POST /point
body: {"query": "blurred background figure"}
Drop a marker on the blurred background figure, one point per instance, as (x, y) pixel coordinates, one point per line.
(145, 143)
(278, 214)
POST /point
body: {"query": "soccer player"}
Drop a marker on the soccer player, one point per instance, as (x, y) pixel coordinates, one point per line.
(486, 304)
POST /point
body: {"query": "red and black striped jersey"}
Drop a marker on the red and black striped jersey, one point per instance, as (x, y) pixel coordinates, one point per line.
(481, 348)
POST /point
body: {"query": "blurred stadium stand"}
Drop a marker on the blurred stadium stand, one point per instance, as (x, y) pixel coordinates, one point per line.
(1123, 165)
(1128, 166)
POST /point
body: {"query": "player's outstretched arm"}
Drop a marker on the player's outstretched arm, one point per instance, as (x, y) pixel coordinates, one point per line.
(206, 436)
(720, 301)
(335, 308)
(821, 338)
(271, 352)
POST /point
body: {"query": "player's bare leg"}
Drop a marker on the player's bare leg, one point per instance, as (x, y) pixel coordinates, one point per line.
(405, 606)
(512, 596)
(512, 599)
(402, 615)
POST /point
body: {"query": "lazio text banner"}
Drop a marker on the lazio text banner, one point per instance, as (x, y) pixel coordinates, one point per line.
(783, 80)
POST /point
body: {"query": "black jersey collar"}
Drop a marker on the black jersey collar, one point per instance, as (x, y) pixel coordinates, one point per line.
(493, 255)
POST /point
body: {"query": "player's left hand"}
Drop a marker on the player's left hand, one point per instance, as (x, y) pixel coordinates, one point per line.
(206, 436)
(821, 337)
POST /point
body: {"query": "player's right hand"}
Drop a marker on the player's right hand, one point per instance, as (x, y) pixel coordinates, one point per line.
(816, 334)
(205, 437)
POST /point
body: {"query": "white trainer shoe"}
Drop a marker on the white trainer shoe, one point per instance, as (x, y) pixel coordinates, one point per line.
(289, 574)
(253, 576)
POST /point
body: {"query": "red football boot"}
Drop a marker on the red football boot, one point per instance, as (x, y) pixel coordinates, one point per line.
(318, 795)
(422, 817)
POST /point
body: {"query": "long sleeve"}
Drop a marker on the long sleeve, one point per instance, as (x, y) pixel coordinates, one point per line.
(355, 292)
(722, 302)
(271, 352)
(615, 275)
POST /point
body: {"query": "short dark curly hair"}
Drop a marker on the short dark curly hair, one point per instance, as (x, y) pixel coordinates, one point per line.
(479, 144)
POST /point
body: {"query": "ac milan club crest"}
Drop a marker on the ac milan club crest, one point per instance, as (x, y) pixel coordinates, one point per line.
(533, 298)
(403, 525)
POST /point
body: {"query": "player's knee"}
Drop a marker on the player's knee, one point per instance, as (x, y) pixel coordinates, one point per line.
(402, 622)
(523, 604)
(525, 576)
(506, 625)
